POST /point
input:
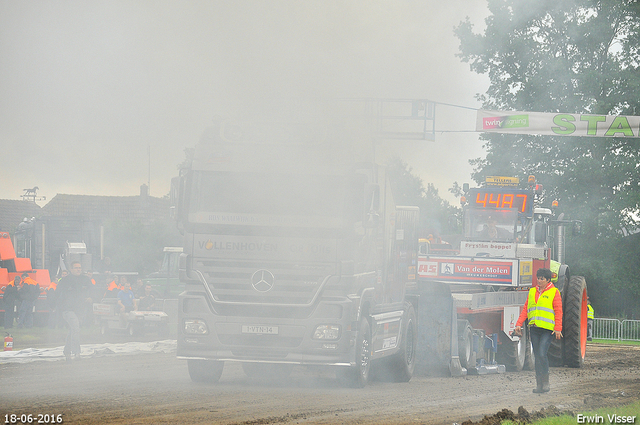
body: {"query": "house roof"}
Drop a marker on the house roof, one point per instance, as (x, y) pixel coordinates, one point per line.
(13, 211)
(141, 208)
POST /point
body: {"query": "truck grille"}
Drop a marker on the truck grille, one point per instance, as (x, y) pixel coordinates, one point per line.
(244, 283)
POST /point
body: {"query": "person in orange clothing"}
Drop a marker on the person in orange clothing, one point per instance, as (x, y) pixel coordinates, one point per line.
(543, 310)
(113, 287)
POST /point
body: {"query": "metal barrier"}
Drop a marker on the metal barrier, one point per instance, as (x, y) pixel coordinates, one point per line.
(616, 330)
(606, 329)
(630, 330)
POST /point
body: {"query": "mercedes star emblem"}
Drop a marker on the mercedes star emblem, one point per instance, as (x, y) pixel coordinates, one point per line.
(262, 280)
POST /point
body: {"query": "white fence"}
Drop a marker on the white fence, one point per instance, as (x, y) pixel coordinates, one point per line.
(616, 330)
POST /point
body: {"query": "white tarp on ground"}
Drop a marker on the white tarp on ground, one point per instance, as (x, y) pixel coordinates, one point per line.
(88, 350)
(558, 124)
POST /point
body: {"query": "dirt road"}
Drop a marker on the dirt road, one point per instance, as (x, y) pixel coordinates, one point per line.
(155, 388)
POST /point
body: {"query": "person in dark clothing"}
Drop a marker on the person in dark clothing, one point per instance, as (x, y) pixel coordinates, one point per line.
(10, 299)
(54, 321)
(148, 300)
(138, 288)
(72, 295)
(28, 294)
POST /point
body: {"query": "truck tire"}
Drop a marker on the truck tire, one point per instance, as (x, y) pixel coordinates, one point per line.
(465, 345)
(358, 376)
(574, 321)
(207, 371)
(512, 353)
(405, 361)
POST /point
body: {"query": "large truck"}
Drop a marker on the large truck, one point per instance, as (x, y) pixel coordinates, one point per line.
(295, 253)
(482, 282)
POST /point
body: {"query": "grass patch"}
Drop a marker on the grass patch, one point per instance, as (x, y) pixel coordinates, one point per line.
(600, 416)
(614, 342)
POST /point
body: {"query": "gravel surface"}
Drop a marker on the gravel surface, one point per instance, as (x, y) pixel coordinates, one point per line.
(154, 388)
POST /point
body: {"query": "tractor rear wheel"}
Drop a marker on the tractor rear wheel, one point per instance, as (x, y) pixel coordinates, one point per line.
(574, 321)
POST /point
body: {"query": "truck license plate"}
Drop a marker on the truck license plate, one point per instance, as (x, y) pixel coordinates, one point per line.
(259, 329)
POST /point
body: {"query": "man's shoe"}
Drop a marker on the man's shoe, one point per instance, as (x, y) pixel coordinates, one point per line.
(545, 383)
(538, 388)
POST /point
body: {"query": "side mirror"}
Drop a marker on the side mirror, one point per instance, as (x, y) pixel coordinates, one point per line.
(540, 232)
(179, 196)
(174, 209)
(372, 206)
(577, 227)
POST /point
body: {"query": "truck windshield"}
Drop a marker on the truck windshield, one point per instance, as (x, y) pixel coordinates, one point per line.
(493, 225)
(247, 198)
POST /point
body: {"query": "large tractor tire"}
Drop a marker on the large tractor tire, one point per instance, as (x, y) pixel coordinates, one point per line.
(512, 353)
(574, 321)
(207, 371)
(357, 376)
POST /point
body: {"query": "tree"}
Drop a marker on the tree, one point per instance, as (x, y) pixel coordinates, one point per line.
(579, 56)
(436, 215)
(136, 247)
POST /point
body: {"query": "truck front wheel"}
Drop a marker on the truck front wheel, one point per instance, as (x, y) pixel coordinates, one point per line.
(405, 360)
(358, 375)
(208, 371)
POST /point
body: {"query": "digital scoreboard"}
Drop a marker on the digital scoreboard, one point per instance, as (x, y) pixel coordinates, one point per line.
(501, 199)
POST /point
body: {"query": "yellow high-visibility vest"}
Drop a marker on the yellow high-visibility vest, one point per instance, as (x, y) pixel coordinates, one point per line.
(541, 313)
(554, 266)
(590, 314)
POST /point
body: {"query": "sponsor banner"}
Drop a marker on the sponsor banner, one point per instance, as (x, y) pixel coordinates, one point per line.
(558, 124)
(498, 181)
(488, 249)
(469, 270)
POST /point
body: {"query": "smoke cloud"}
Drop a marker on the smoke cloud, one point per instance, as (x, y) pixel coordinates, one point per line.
(91, 90)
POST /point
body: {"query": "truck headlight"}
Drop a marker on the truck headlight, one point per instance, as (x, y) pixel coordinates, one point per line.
(195, 327)
(327, 332)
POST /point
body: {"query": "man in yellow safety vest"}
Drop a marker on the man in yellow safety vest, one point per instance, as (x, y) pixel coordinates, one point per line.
(543, 310)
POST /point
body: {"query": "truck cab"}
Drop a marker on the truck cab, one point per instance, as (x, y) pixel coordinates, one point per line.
(294, 254)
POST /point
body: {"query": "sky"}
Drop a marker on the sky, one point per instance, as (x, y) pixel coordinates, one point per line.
(100, 97)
